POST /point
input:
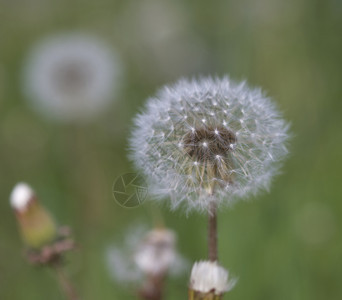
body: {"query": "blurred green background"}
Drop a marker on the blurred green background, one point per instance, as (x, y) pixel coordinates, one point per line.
(284, 245)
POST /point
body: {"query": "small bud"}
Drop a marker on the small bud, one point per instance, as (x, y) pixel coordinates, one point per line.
(35, 223)
(209, 281)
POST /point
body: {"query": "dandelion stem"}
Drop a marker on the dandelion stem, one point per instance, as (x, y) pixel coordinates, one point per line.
(212, 232)
(64, 283)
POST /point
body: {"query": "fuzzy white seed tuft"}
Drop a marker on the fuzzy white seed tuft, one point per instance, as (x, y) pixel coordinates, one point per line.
(21, 196)
(208, 276)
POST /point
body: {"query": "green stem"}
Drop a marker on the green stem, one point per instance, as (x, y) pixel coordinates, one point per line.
(66, 286)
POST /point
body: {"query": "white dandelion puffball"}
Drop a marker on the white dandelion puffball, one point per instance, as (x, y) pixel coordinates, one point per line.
(145, 253)
(207, 276)
(71, 77)
(206, 140)
(156, 252)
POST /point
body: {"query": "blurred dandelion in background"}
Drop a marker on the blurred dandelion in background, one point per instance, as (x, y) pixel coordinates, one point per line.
(195, 137)
(159, 38)
(145, 257)
(70, 77)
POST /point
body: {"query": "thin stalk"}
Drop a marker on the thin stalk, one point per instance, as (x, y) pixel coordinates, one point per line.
(212, 232)
(64, 283)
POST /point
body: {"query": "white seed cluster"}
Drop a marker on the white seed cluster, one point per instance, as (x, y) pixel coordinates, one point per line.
(205, 140)
(208, 276)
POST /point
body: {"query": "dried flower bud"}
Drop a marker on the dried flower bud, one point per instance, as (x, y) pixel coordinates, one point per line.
(36, 224)
(209, 281)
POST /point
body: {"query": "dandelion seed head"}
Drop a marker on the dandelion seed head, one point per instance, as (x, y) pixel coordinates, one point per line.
(229, 151)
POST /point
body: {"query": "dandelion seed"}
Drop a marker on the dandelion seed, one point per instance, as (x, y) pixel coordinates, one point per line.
(189, 174)
(71, 77)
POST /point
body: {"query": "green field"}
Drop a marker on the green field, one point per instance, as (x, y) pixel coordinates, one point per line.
(283, 245)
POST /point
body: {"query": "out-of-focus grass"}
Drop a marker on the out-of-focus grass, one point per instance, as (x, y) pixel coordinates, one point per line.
(285, 245)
